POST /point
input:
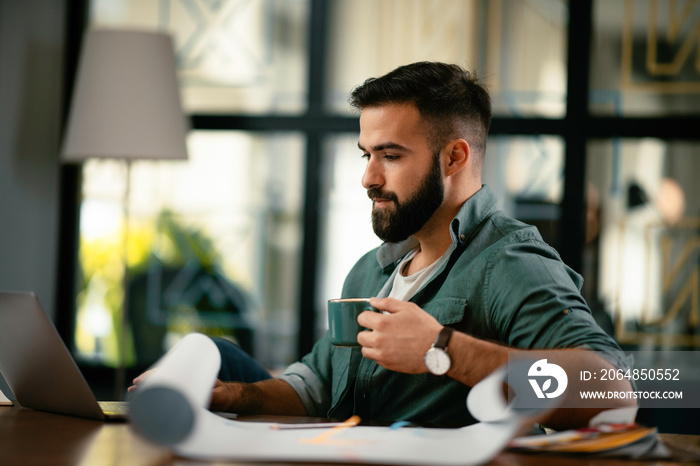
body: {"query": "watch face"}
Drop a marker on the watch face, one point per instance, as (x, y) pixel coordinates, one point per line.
(437, 361)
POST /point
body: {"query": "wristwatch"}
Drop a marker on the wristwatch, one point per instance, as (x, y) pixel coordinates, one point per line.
(436, 359)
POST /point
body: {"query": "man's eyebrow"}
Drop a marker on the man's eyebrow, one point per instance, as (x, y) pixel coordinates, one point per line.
(385, 146)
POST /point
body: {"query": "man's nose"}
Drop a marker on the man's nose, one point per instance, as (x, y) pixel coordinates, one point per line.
(372, 177)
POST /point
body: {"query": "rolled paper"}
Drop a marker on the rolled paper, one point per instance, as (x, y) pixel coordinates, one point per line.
(170, 408)
(164, 407)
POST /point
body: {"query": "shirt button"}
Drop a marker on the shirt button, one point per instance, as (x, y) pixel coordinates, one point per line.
(462, 237)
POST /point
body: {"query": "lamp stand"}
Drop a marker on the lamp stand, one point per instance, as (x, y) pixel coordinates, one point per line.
(120, 378)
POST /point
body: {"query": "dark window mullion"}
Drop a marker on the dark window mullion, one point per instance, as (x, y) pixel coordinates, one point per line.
(329, 123)
(318, 37)
(575, 137)
(672, 127)
(70, 185)
(525, 126)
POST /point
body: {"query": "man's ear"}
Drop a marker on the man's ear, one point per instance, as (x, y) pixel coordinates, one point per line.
(458, 152)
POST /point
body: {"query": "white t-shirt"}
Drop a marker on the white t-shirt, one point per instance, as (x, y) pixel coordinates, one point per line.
(405, 287)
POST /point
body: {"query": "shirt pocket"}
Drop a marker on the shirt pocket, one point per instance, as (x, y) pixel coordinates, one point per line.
(447, 310)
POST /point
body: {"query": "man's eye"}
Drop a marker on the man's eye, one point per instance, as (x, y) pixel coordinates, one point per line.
(365, 156)
(391, 158)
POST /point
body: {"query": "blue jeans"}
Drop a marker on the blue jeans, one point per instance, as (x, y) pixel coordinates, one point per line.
(237, 365)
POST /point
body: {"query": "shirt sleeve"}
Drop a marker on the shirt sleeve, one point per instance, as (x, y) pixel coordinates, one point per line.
(309, 388)
(310, 379)
(534, 301)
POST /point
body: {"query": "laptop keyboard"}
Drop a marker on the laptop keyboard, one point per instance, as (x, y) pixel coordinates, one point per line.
(114, 407)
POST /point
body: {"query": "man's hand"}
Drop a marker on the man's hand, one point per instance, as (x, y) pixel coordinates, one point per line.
(221, 396)
(398, 337)
(271, 396)
(141, 378)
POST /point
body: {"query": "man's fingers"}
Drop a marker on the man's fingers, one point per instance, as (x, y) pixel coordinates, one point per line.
(140, 379)
(369, 319)
(364, 338)
(220, 397)
(369, 353)
(387, 304)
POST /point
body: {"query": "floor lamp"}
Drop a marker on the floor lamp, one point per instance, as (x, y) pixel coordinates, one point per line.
(125, 105)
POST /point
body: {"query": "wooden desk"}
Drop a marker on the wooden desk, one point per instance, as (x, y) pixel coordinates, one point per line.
(34, 438)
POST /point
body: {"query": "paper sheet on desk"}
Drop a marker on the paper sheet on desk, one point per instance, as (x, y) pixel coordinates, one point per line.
(170, 408)
(4, 401)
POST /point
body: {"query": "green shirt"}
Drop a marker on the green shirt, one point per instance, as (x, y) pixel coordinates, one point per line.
(502, 283)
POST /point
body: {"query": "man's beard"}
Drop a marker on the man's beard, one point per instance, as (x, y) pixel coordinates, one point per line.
(410, 216)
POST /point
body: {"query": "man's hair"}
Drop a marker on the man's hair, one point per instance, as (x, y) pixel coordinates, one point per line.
(449, 99)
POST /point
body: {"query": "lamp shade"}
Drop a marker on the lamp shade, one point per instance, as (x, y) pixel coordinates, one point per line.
(126, 101)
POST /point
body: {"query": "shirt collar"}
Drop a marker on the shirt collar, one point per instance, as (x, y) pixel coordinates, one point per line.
(470, 215)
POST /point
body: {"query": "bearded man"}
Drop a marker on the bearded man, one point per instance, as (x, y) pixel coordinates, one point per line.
(454, 272)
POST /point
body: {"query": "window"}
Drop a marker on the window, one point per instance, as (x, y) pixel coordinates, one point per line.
(213, 245)
(643, 238)
(493, 38)
(644, 58)
(245, 57)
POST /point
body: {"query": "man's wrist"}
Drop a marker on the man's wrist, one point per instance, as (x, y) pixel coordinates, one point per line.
(474, 359)
(437, 359)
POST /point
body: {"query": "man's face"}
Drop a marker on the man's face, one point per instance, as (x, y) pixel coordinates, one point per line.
(403, 175)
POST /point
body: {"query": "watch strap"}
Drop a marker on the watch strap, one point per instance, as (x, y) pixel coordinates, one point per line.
(443, 338)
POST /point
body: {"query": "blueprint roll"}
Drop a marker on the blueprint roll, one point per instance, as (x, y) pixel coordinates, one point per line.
(165, 408)
(170, 408)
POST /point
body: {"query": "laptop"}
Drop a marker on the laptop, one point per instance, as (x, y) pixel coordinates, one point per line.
(38, 367)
